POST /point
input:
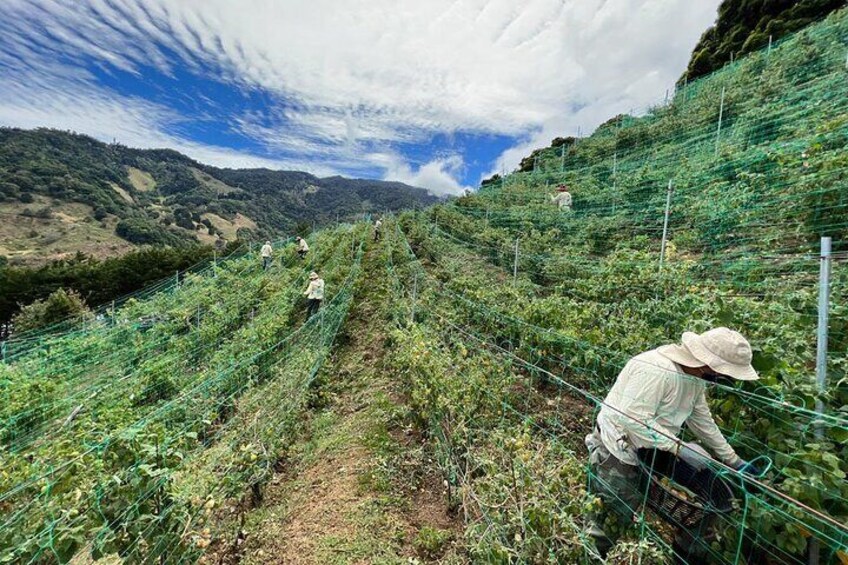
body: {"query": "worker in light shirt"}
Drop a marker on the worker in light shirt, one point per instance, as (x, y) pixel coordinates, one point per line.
(266, 252)
(302, 247)
(314, 294)
(562, 198)
(654, 395)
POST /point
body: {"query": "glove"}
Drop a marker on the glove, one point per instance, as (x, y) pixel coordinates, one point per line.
(749, 469)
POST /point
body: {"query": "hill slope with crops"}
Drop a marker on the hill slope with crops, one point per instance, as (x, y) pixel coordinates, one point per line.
(435, 409)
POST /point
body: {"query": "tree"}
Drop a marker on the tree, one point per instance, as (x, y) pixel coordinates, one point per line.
(59, 306)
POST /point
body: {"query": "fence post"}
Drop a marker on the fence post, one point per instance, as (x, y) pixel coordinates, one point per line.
(720, 118)
(535, 163)
(614, 179)
(824, 306)
(414, 298)
(3, 350)
(177, 279)
(562, 159)
(821, 358)
(113, 312)
(515, 264)
(665, 224)
(768, 52)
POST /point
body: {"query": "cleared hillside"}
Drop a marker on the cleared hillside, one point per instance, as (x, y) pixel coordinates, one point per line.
(444, 420)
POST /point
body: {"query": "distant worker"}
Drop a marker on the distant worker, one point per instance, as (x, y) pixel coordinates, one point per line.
(266, 255)
(562, 198)
(314, 294)
(302, 247)
(653, 396)
(377, 227)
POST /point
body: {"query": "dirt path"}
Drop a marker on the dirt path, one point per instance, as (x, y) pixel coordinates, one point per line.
(360, 488)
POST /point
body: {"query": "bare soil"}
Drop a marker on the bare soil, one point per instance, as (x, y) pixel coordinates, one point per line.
(360, 487)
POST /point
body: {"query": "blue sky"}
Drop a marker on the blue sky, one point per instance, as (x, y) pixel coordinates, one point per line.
(438, 94)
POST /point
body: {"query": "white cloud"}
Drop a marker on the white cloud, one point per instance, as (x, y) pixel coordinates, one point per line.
(353, 79)
(438, 176)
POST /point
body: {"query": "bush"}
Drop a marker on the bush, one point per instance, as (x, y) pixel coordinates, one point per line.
(141, 232)
(59, 306)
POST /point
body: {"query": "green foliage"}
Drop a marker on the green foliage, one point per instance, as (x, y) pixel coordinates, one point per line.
(744, 26)
(97, 282)
(61, 305)
(183, 405)
(143, 232)
(430, 542)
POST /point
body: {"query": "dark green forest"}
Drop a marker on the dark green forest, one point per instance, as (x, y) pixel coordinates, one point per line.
(744, 26)
(97, 282)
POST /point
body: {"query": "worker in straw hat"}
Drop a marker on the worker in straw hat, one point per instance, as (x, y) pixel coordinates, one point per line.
(654, 395)
(314, 294)
(562, 198)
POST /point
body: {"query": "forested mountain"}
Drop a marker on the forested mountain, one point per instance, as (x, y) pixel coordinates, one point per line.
(63, 193)
(744, 26)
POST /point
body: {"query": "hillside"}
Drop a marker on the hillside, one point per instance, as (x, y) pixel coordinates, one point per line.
(61, 193)
(745, 26)
(435, 410)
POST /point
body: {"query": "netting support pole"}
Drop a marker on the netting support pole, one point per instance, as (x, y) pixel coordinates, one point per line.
(562, 159)
(768, 52)
(614, 179)
(487, 214)
(515, 264)
(414, 299)
(821, 337)
(177, 279)
(720, 118)
(113, 312)
(3, 351)
(665, 223)
(535, 163)
(821, 357)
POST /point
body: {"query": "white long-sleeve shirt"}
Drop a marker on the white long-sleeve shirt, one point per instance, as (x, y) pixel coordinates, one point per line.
(649, 402)
(315, 290)
(302, 246)
(266, 250)
(562, 199)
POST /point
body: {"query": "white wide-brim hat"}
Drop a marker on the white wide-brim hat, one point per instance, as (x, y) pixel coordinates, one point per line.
(723, 350)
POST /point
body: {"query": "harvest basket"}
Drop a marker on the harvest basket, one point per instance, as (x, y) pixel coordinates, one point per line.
(704, 493)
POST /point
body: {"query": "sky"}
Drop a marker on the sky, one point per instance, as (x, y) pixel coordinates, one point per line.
(437, 94)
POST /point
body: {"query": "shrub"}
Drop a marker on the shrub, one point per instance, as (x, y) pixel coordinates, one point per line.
(59, 306)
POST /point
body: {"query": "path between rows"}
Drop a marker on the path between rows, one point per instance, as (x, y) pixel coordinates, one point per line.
(360, 487)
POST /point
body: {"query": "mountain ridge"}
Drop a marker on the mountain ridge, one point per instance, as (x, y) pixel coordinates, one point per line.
(63, 192)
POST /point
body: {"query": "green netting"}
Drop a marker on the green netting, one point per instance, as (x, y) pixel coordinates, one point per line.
(144, 441)
(774, 518)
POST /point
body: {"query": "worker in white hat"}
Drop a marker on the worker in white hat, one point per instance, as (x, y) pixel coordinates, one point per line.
(314, 294)
(562, 198)
(653, 396)
(266, 252)
(302, 247)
